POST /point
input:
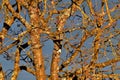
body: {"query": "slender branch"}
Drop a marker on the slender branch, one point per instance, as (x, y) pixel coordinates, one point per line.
(83, 39)
(16, 66)
(108, 11)
(9, 46)
(55, 62)
(107, 63)
(27, 69)
(96, 44)
(2, 76)
(101, 76)
(90, 6)
(17, 15)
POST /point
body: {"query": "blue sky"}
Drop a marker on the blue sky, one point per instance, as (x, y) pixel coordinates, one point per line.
(48, 45)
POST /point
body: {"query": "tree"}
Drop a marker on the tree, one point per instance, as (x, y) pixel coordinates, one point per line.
(85, 35)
